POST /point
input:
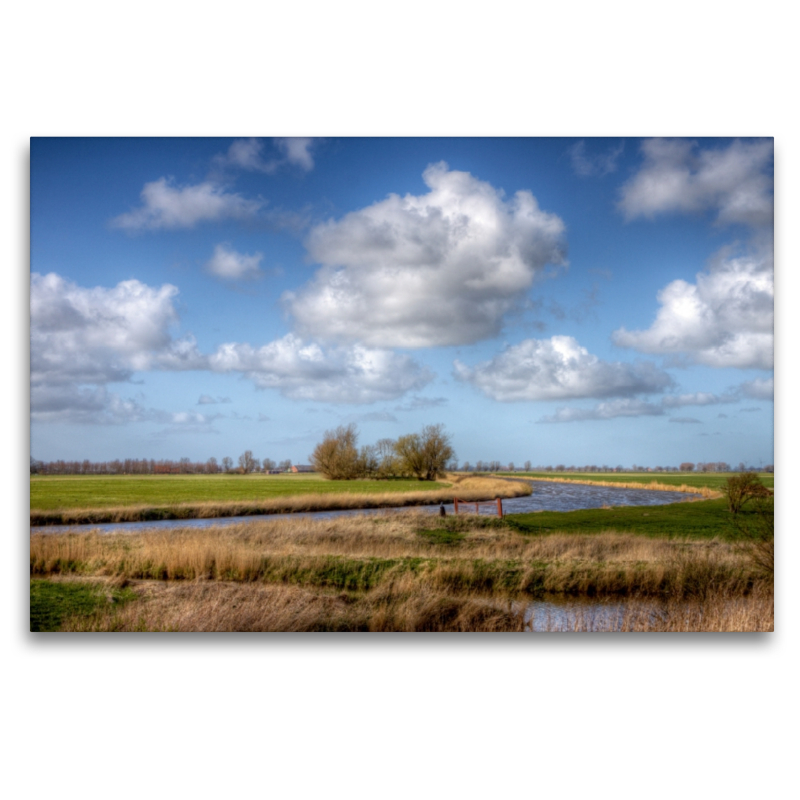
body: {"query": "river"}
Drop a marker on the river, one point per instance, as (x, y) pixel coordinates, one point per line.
(546, 496)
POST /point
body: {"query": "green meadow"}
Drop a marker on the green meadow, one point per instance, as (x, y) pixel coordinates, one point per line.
(701, 519)
(50, 492)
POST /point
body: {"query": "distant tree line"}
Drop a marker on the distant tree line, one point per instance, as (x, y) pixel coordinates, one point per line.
(424, 455)
(338, 452)
(686, 466)
(247, 463)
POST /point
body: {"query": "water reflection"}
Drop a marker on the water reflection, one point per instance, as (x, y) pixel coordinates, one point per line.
(589, 615)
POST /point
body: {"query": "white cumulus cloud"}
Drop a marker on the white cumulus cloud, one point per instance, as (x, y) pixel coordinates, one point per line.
(442, 268)
(725, 319)
(101, 335)
(166, 206)
(558, 369)
(84, 338)
(304, 371)
(228, 264)
(735, 181)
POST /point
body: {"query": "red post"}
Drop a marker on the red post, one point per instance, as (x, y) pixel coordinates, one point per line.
(476, 509)
(499, 507)
(455, 504)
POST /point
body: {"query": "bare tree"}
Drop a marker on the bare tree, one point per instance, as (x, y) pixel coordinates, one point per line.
(247, 462)
(424, 455)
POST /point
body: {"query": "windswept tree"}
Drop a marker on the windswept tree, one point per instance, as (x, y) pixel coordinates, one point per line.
(424, 455)
(227, 464)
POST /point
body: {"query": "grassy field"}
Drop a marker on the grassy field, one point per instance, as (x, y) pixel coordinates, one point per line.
(413, 572)
(89, 500)
(105, 491)
(700, 480)
(704, 519)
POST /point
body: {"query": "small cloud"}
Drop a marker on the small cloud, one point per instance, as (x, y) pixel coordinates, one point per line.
(759, 389)
(420, 403)
(609, 410)
(686, 420)
(262, 417)
(166, 206)
(376, 416)
(722, 416)
(246, 154)
(207, 400)
(746, 410)
(698, 399)
(230, 265)
(596, 165)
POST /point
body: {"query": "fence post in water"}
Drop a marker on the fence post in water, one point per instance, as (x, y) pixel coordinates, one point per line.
(455, 504)
(499, 508)
(476, 509)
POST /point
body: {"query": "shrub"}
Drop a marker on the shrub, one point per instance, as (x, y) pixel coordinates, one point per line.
(741, 488)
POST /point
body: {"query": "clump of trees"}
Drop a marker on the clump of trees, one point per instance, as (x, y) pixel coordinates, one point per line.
(423, 455)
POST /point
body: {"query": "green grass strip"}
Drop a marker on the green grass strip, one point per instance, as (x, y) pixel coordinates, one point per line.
(52, 602)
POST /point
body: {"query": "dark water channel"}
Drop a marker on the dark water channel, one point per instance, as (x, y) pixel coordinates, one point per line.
(546, 496)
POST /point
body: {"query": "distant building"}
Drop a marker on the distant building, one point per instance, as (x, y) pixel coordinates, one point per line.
(301, 468)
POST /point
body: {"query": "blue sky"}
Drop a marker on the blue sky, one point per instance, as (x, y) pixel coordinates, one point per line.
(576, 301)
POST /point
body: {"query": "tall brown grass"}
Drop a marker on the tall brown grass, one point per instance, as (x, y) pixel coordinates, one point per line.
(362, 553)
(472, 488)
(219, 606)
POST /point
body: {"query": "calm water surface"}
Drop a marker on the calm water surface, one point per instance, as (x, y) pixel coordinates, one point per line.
(546, 497)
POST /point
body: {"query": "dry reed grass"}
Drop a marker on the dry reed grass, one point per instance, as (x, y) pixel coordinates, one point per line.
(471, 488)
(362, 553)
(704, 491)
(220, 606)
(716, 613)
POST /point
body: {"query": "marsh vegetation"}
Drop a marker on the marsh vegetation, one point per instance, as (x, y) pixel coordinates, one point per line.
(413, 572)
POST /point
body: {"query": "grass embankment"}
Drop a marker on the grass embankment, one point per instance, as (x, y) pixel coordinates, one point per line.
(704, 519)
(74, 500)
(406, 572)
(707, 484)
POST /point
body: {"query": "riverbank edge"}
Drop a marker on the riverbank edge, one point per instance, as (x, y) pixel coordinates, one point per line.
(703, 491)
(509, 488)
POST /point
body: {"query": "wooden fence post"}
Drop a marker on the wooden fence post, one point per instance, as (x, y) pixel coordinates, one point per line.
(499, 508)
(455, 504)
